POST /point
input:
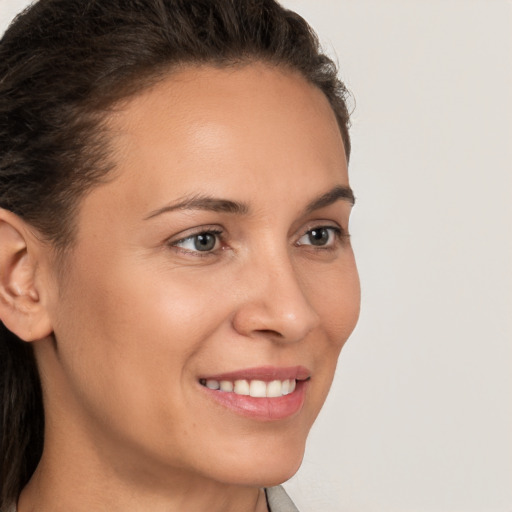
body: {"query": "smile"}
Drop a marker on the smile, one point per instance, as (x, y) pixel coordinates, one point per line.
(255, 388)
(262, 394)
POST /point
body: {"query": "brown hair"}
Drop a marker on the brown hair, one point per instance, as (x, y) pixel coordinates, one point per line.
(63, 65)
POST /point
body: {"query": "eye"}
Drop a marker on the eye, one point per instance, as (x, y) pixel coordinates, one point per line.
(206, 241)
(322, 236)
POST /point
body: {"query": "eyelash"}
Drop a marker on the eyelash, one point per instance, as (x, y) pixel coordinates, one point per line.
(336, 237)
(215, 232)
(339, 237)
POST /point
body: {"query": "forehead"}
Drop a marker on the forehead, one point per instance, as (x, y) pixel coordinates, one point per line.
(255, 110)
(255, 134)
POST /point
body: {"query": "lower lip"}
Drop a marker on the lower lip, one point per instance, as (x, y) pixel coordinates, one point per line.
(262, 409)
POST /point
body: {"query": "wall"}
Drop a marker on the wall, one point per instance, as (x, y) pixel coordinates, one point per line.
(420, 417)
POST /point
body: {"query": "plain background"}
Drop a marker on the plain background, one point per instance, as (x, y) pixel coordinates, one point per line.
(420, 414)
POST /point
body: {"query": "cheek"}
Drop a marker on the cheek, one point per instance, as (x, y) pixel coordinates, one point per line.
(129, 341)
(334, 292)
(139, 327)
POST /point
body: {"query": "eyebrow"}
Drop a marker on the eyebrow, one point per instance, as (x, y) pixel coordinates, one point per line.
(213, 204)
(203, 202)
(339, 192)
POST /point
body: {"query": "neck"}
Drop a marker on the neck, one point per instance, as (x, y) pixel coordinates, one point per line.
(83, 472)
(51, 490)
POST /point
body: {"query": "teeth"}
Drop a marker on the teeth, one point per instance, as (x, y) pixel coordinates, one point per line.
(226, 385)
(212, 384)
(241, 387)
(274, 389)
(258, 389)
(254, 388)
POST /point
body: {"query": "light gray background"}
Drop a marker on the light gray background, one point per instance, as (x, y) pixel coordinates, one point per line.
(420, 414)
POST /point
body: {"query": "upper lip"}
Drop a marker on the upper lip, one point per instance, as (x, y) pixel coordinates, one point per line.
(264, 373)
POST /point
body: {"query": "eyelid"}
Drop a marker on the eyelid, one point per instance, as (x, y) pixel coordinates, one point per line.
(340, 234)
(219, 232)
(322, 223)
(189, 234)
(328, 228)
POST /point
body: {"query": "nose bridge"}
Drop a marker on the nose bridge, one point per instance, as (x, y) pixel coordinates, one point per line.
(276, 303)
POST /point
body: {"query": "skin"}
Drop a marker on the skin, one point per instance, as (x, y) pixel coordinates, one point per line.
(139, 316)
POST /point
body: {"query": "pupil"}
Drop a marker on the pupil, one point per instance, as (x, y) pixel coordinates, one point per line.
(205, 242)
(319, 236)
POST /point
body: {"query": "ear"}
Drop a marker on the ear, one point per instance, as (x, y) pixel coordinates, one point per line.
(21, 309)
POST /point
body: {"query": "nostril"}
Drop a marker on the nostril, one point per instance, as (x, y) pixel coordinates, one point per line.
(270, 332)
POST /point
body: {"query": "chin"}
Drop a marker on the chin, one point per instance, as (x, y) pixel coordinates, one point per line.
(276, 475)
(262, 466)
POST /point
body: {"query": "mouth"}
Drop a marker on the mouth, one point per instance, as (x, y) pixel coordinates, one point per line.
(255, 388)
(265, 393)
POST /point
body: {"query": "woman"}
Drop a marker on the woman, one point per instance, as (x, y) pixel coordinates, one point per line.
(177, 279)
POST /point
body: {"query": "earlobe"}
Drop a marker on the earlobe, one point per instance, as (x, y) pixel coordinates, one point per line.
(21, 308)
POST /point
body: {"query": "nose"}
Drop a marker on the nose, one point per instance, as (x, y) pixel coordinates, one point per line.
(273, 303)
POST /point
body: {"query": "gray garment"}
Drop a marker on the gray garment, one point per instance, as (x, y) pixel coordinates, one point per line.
(279, 501)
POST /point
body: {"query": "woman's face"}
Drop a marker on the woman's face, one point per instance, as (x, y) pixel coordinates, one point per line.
(216, 256)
